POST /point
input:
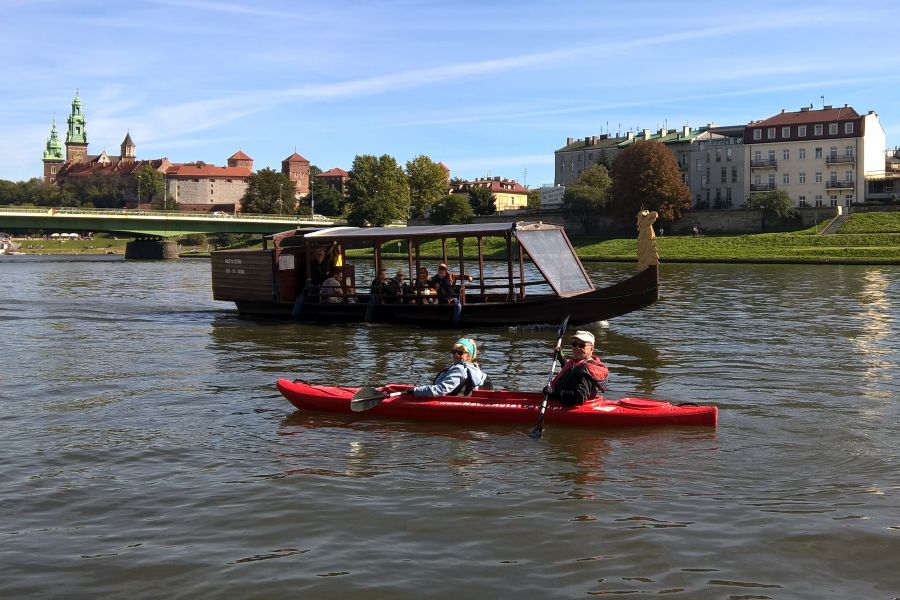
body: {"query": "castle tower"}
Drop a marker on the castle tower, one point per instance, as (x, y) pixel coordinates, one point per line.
(239, 159)
(128, 151)
(297, 169)
(53, 156)
(76, 138)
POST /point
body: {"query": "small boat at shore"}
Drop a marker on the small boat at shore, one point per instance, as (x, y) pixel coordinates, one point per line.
(542, 279)
(7, 245)
(499, 406)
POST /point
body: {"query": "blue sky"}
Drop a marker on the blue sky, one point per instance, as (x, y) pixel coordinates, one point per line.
(489, 88)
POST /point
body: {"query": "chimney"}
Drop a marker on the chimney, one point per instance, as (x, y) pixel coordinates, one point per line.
(804, 109)
(827, 107)
(646, 134)
(568, 141)
(605, 136)
(687, 130)
(629, 136)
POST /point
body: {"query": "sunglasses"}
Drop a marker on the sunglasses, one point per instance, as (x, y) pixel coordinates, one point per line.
(458, 352)
(579, 344)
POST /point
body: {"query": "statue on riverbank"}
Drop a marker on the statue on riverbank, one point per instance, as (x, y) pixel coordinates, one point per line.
(647, 253)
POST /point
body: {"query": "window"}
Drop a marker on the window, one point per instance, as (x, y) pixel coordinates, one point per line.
(733, 174)
(848, 199)
(802, 153)
(832, 128)
(718, 155)
(757, 180)
(728, 195)
(848, 127)
(771, 157)
(718, 195)
(801, 200)
(818, 176)
(757, 134)
(757, 155)
(785, 132)
(819, 200)
(580, 157)
(699, 164)
(818, 153)
(786, 154)
(771, 181)
(724, 174)
(848, 175)
(801, 130)
(708, 156)
(832, 176)
(729, 154)
(833, 199)
(848, 150)
(832, 153)
(590, 156)
(785, 178)
(770, 133)
(818, 129)
(802, 177)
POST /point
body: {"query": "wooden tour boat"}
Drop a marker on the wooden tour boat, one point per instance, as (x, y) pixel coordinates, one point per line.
(541, 282)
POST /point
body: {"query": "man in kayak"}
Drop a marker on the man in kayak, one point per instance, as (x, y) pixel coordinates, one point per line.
(460, 378)
(582, 377)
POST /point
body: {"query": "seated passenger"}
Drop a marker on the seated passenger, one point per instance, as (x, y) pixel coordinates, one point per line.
(460, 378)
(583, 377)
(331, 290)
(320, 266)
(397, 289)
(379, 284)
(423, 287)
(443, 284)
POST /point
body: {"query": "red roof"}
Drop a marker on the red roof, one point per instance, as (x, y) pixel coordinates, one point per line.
(496, 185)
(443, 166)
(335, 172)
(239, 155)
(204, 170)
(295, 158)
(119, 167)
(825, 115)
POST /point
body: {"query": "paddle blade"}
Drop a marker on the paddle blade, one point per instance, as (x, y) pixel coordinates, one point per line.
(536, 433)
(367, 398)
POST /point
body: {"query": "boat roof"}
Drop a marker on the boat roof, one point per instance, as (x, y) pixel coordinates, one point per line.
(422, 232)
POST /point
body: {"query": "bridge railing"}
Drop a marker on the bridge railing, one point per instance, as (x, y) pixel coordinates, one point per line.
(119, 212)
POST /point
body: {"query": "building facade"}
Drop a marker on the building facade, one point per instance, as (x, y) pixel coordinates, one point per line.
(297, 169)
(819, 157)
(509, 194)
(337, 179)
(201, 187)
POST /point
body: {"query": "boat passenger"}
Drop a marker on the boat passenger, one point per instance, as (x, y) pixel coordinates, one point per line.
(582, 377)
(461, 378)
(331, 290)
(379, 284)
(319, 267)
(423, 287)
(443, 284)
(397, 290)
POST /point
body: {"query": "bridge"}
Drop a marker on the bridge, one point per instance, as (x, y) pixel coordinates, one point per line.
(153, 230)
(150, 223)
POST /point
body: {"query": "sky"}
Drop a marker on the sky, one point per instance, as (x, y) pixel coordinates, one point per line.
(488, 88)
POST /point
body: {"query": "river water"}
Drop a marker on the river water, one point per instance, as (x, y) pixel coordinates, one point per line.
(147, 454)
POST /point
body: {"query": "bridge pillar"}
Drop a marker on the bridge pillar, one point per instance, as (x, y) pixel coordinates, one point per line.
(151, 249)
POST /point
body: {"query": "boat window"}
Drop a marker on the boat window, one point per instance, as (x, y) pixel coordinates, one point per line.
(555, 259)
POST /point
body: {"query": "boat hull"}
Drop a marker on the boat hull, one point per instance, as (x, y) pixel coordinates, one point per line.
(501, 406)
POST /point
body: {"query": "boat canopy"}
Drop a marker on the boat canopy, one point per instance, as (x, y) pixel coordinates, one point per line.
(545, 243)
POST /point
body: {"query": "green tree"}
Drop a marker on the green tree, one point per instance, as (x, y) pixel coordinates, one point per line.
(452, 209)
(147, 184)
(482, 200)
(534, 199)
(328, 201)
(269, 192)
(775, 204)
(378, 191)
(595, 176)
(646, 176)
(98, 190)
(427, 184)
(581, 202)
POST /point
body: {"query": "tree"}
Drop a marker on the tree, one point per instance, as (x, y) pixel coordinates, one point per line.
(482, 200)
(148, 185)
(328, 200)
(106, 190)
(646, 176)
(452, 209)
(534, 199)
(581, 202)
(378, 191)
(269, 192)
(427, 184)
(595, 176)
(775, 204)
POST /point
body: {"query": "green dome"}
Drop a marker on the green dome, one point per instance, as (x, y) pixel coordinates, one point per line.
(54, 150)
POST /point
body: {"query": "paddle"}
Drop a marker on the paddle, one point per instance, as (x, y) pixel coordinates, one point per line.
(367, 398)
(539, 428)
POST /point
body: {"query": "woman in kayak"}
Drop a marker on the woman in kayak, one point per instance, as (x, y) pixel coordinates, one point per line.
(583, 377)
(460, 378)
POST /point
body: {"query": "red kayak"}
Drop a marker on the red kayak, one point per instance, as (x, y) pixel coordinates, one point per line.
(500, 406)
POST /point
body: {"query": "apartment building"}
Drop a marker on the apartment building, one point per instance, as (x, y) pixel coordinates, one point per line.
(716, 160)
(819, 157)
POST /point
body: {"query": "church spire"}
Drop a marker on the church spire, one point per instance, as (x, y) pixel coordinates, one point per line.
(53, 150)
(76, 137)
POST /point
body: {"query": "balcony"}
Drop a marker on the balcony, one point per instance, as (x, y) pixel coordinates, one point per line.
(766, 163)
(837, 159)
(834, 184)
(762, 187)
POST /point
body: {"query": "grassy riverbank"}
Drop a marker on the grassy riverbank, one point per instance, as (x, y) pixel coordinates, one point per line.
(865, 238)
